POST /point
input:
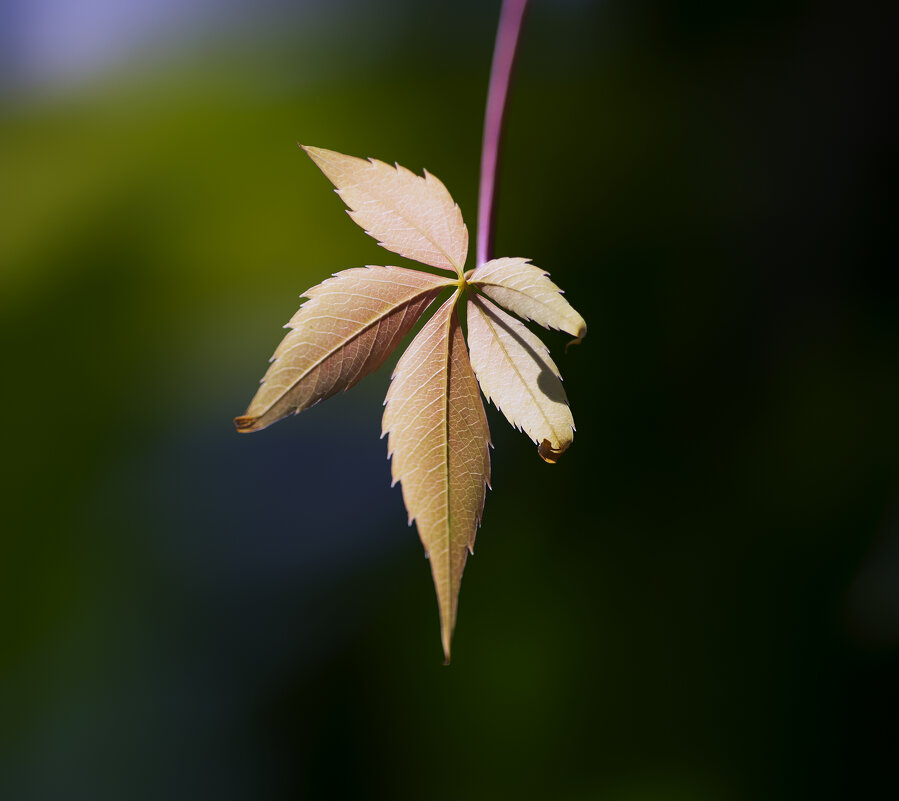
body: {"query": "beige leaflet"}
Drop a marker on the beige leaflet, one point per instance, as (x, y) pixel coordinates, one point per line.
(438, 440)
(410, 215)
(434, 418)
(517, 375)
(350, 325)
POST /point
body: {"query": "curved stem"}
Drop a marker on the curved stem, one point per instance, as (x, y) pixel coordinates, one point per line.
(500, 73)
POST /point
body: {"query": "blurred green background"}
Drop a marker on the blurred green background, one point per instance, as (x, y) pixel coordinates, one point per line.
(700, 602)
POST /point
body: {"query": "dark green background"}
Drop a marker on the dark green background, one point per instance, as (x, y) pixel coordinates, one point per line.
(699, 602)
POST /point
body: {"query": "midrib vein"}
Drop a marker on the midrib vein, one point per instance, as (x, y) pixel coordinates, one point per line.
(446, 456)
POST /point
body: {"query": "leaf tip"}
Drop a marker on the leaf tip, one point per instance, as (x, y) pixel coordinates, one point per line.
(246, 423)
(317, 154)
(548, 453)
(447, 639)
(581, 333)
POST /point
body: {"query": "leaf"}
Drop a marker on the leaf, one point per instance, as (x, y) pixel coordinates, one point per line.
(438, 439)
(527, 290)
(348, 327)
(517, 374)
(410, 215)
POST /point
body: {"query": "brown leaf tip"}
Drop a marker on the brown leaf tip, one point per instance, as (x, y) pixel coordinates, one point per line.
(245, 423)
(573, 342)
(582, 332)
(548, 453)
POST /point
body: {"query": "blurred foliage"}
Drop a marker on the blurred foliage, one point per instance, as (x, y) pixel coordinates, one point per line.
(702, 605)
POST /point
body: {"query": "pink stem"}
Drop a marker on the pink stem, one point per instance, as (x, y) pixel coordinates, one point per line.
(500, 72)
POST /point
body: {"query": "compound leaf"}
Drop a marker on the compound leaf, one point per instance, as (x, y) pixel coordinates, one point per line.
(434, 418)
(348, 327)
(438, 439)
(528, 291)
(517, 374)
(410, 215)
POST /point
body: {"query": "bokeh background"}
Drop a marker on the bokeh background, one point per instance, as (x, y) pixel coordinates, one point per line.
(700, 602)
